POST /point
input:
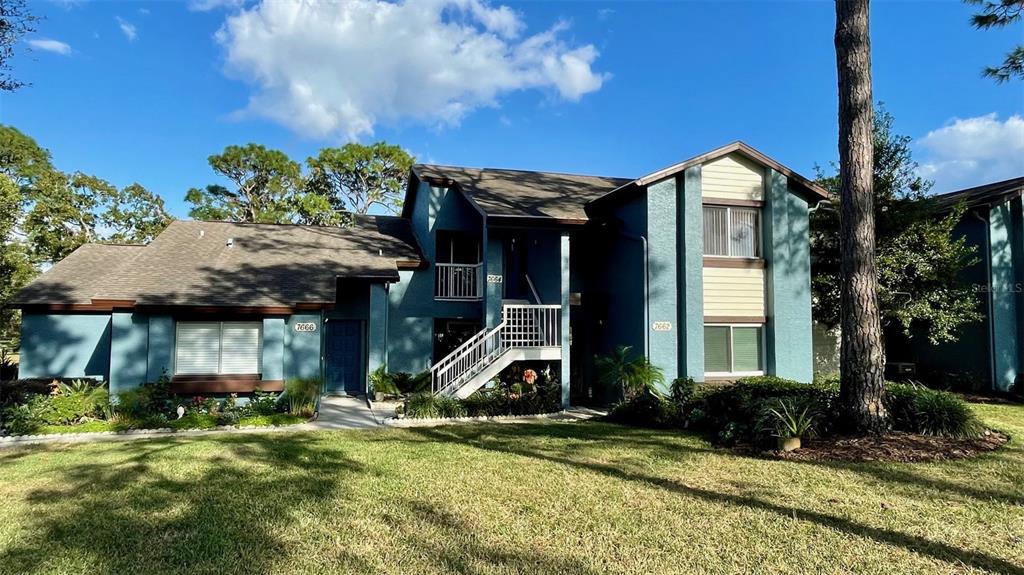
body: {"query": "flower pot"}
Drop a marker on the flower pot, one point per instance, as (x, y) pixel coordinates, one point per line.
(789, 443)
(378, 396)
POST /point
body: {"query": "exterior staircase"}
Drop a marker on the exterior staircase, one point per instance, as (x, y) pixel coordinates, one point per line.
(526, 332)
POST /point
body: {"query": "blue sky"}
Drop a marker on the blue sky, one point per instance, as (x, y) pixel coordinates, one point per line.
(146, 91)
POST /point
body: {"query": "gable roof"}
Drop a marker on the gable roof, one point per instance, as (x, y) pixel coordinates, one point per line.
(797, 182)
(223, 264)
(79, 276)
(502, 193)
(985, 196)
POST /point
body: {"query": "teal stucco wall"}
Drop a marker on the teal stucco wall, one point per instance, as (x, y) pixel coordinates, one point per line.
(302, 349)
(1005, 256)
(411, 305)
(691, 275)
(788, 281)
(129, 351)
(65, 345)
(161, 347)
(272, 361)
(662, 271)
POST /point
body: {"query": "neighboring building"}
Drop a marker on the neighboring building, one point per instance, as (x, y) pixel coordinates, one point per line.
(702, 266)
(990, 352)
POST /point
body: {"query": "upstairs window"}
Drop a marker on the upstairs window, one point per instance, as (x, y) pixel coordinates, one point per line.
(218, 347)
(732, 232)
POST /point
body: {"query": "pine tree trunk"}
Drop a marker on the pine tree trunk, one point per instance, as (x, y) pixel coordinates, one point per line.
(862, 357)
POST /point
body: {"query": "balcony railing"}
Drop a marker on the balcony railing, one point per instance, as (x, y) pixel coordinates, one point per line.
(459, 281)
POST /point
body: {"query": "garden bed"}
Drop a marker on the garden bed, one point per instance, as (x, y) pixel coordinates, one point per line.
(894, 447)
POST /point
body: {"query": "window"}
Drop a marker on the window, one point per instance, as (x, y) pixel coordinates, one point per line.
(211, 347)
(734, 232)
(733, 349)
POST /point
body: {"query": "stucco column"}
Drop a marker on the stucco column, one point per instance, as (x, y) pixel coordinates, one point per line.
(662, 262)
(272, 368)
(129, 351)
(787, 281)
(691, 292)
(1005, 255)
(493, 278)
(376, 327)
(566, 335)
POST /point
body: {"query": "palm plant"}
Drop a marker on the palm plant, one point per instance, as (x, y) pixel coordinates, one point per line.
(633, 375)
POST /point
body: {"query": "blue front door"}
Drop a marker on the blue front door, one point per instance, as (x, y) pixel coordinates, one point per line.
(344, 356)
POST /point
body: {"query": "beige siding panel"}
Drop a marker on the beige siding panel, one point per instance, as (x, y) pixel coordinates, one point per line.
(732, 177)
(734, 291)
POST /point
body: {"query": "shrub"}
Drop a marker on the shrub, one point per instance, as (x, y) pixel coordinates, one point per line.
(632, 376)
(930, 412)
(146, 401)
(647, 409)
(302, 394)
(261, 403)
(787, 421)
(741, 412)
(422, 405)
(383, 382)
(450, 407)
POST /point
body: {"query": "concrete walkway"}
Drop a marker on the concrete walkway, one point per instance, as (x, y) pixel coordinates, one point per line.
(343, 412)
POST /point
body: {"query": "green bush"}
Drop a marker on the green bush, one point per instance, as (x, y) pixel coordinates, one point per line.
(261, 403)
(646, 409)
(741, 412)
(407, 383)
(422, 405)
(918, 409)
(450, 407)
(302, 395)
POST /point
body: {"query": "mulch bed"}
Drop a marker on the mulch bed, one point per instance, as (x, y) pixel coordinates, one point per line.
(894, 447)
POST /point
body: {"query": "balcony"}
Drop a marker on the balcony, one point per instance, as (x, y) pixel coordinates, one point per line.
(459, 282)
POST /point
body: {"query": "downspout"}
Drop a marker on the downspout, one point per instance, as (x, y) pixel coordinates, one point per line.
(647, 292)
(988, 300)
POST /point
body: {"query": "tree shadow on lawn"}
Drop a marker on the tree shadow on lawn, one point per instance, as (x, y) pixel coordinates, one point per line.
(919, 545)
(130, 517)
(598, 436)
(137, 514)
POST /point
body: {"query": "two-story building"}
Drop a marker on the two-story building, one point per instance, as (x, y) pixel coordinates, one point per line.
(702, 266)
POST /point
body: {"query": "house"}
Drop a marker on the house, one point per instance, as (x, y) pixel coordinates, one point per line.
(988, 353)
(702, 266)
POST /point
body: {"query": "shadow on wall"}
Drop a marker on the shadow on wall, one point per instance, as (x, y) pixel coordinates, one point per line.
(63, 345)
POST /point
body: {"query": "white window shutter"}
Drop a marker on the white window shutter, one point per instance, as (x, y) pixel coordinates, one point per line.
(197, 348)
(240, 347)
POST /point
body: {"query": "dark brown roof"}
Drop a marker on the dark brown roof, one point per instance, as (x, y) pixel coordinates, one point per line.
(797, 182)
(981, 196)
(505, 193)
(192, 264)
(78, 277)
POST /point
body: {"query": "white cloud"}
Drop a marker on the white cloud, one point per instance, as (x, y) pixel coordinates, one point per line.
(339, 69)
(144, 11)
(969, 152)
(55, 46)
(128, 29)
(208, 5)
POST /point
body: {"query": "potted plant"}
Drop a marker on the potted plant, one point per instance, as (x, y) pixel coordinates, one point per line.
(790, 425)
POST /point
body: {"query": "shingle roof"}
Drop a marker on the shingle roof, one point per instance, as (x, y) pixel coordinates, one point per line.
(986, 195)
(518, 193)
(266, 265)
(77, 278)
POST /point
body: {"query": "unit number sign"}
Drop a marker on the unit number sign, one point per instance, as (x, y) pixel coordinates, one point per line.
(305, 327)
(493, 279)
(662, 326)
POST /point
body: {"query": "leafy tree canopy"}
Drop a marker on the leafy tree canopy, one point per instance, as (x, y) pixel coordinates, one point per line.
(999, 14)
(918, 258)
(15, 22)
(355, 177)
(45, 214)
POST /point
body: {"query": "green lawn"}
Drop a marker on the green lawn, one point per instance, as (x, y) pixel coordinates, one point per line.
(500, 498)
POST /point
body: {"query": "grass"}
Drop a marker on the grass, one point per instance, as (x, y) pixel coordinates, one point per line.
(191, 421)
(501, 498)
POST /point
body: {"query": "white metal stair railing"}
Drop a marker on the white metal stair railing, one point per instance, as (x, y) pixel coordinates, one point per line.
(522, 327)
